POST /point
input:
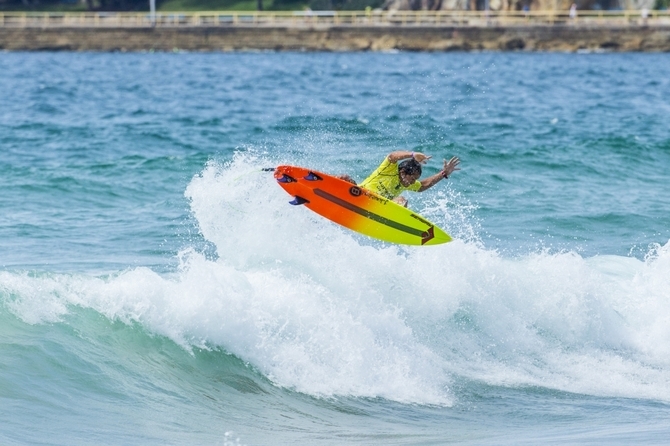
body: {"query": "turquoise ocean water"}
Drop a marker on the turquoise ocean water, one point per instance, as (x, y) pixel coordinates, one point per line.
(157, 288)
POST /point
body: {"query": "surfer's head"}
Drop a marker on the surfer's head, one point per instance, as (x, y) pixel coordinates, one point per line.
(409, 171)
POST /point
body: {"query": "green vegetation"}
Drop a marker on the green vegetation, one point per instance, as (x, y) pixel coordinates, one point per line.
(74, 5)
(186, 5)
(44, 5)
(344, 5)
(662, 4)
(211, 5)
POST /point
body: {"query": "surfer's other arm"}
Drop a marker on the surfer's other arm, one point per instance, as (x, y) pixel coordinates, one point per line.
(394, 157)
(448, 168)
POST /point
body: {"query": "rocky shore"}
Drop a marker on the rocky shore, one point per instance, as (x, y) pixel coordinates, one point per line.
(557, 37)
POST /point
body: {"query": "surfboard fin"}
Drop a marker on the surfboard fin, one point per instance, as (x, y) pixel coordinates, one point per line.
(286, 179)
(312, 177)
(298, 201)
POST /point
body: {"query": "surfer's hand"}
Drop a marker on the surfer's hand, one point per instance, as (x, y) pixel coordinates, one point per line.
(421, 158)
(450, 166)
(402, 201)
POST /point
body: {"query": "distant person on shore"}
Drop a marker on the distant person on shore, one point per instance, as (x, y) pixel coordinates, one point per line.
(400, 171)
(573, 11)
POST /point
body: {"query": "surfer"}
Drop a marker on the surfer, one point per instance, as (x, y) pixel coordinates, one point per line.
(400, 171)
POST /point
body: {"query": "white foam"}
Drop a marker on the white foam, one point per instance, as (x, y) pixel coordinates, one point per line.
(324, 311)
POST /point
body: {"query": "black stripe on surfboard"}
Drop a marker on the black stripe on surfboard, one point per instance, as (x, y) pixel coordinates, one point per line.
(425, 235)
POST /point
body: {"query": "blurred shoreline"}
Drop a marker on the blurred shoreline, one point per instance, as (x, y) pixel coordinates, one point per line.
(592, 31)
(565, 38)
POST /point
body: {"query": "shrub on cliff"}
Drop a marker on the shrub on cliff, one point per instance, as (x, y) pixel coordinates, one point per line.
(336, 5)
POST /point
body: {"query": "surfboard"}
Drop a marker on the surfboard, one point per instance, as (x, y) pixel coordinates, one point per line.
(356, 208)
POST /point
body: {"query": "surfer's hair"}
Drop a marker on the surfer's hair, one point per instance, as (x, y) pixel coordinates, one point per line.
(410, 167)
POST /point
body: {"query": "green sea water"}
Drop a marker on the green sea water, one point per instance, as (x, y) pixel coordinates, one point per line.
(157, 288)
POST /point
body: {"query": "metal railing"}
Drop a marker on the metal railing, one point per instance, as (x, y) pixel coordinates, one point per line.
(331, 18)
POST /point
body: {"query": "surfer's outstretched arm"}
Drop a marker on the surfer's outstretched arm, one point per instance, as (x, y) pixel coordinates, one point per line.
(449, 167)
(394, 157)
